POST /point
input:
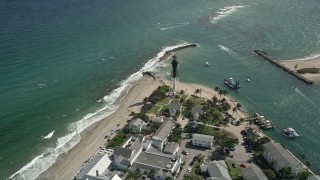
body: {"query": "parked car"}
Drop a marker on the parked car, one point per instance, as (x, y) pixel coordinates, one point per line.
(185, 152)
(243, 165)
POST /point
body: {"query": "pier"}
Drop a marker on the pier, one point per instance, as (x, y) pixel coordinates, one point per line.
(267, 57)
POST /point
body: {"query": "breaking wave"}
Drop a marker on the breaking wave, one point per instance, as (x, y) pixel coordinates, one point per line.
(43, 161)
(49, 135)
(225, 11)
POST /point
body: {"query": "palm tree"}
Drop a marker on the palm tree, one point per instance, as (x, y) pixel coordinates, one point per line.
(234, 110)
(216, 89)
(220, 92)
(197, 91)
(239, 106)
(200, 91)
(145, 99)
(214, 101)
(225, 92)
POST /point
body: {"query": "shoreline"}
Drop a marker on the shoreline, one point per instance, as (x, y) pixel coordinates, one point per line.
(136, 92)
(69, 163)
(296, 64)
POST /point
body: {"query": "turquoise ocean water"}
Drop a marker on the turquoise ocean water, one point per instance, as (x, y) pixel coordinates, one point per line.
(65, 64)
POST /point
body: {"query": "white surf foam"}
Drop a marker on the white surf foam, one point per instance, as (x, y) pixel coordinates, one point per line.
(176, 26)
(48, 136)
(42, 162)
(225, 11)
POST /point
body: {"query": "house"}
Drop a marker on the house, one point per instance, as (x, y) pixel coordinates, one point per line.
(202, 140)
(98, 169)
(137, 125)
(157, 119)
(161, 135)
(138, 153)
(253, 172)
(216, 170)
(171, 148)
(278, 157)
(174, 108)
(197, 112)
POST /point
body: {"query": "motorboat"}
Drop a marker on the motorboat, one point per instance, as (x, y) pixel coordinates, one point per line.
(232, 83)
(290, 132)
(207, 64)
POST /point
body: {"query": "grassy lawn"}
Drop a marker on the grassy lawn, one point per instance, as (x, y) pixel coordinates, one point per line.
(197, 101)
(154, 109)
(234, 172)
(164, 101)
(117, 141)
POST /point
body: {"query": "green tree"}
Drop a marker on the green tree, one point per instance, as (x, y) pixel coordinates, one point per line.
(270, 174)
(197, 91)
(285, 171)
(303, 175)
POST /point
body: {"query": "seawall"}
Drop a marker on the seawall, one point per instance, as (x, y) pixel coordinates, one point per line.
(267, 57)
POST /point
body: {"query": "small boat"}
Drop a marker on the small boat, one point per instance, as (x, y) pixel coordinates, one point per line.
(248, 80)
(232, 83)
(290, 132)
(207, 64)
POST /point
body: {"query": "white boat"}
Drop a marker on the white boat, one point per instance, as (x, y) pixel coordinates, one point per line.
(290, 132)
(207, 64)
(248, 80)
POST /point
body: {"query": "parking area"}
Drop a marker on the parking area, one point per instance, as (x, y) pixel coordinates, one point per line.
(192, 151)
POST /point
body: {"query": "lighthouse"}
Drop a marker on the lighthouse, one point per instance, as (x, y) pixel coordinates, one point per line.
(174, 73)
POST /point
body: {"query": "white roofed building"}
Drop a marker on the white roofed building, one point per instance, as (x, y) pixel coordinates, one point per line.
(202, 140)
(161, 135)
(137, 125)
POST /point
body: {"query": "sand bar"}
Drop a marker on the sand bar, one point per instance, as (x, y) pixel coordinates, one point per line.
(296, 64)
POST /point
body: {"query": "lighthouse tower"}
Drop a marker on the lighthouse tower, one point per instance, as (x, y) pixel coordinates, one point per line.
(174, 73)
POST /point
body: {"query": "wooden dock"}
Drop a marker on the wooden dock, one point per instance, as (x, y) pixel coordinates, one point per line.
(267, 57)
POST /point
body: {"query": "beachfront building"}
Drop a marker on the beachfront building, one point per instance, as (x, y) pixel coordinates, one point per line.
(202, 140)
(160, 137)
(98, 169)
(157, 119)
(174, 108)
(197, 112)
(253, 172)
(216, 170)
(278, 157)
(171, 148)
(137, 125)
(139, 153)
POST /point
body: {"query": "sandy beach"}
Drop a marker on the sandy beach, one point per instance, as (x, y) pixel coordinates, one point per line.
(70, 163)
(304, 63)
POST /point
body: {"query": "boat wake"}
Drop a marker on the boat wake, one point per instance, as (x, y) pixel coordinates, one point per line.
(225, 11)
(304, 96)
(174, 25)
(229, 51)
(49, 135)
(63, 144)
